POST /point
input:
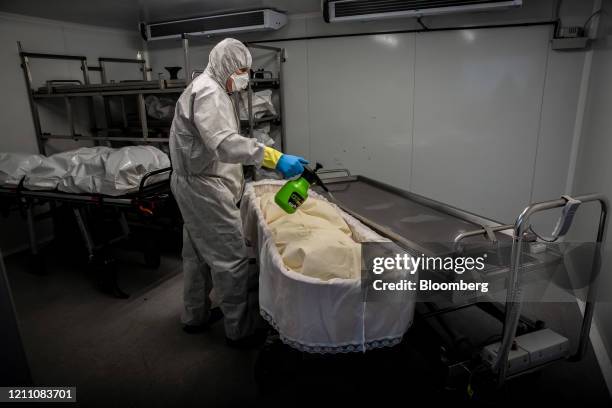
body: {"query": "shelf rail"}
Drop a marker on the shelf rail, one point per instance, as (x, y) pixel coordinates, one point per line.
(139, 92)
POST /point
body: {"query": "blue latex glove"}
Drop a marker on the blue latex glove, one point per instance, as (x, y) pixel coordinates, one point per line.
(291, 166)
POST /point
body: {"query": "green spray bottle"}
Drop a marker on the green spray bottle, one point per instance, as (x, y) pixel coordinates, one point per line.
(295, 192)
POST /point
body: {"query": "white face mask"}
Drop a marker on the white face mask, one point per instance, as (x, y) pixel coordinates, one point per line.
(241, 81)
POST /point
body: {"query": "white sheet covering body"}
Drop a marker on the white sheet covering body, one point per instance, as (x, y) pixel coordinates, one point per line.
(13, 166)
(315, 240)
(103, 170)
(46, 176)
(314, 315)
(98, 170)
(160, 107)
(37, 171)
(261, 104)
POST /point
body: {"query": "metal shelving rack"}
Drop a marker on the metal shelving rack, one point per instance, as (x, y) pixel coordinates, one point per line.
(276, 84)
(68, 90)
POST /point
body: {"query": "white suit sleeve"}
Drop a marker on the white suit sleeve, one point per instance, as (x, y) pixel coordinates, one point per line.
(241, 150)
(215, 121)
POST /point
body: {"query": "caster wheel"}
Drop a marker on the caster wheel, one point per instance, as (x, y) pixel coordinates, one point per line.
(105, 275)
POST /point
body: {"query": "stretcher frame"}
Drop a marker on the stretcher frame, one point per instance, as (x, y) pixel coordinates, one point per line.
(489, 229)
(148, 197)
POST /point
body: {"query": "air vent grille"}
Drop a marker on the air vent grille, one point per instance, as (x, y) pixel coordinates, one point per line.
(361, 10)
(356, 8)
(214, 23)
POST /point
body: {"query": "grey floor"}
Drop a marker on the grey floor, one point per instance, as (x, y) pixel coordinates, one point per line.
(133, 352)
(124, 352)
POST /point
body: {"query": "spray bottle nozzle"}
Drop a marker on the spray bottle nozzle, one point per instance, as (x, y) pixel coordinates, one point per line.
(312, 177)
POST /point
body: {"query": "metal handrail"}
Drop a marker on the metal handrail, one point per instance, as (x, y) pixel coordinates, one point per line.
(332, 171)
(474, 233)
(144, 178)
(103, 60)
(51, 82)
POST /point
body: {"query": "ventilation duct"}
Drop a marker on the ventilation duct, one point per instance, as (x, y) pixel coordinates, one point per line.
(365, 10)
(230, 23)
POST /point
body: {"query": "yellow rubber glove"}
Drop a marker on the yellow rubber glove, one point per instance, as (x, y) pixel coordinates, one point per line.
(271, 157)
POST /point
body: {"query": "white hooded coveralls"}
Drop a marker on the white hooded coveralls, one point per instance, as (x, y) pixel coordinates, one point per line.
(207, 154)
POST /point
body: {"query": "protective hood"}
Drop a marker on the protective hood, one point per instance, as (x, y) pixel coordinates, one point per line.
(225, 58)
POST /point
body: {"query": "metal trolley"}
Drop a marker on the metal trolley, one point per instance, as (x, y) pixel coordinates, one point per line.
(147, 203)
(118, 129)
(424, 226)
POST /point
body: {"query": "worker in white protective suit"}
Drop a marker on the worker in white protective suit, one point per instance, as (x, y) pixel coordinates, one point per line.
(207, 154)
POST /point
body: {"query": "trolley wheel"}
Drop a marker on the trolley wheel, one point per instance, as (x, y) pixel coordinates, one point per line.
(105, 276)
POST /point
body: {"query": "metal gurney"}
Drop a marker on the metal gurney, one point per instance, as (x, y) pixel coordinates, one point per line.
(147, 203)
(424, 226)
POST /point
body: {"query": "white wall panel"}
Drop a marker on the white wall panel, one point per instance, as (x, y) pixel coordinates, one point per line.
(48, 36)
(17, 127)
(360, 104)
(478, 100)
(170, 53)
(96, 42)
(559, 106)
(295, 102)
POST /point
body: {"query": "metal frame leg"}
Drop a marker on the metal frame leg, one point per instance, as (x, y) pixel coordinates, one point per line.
(89, 245)
(125, 228)
(106, 273)
(68, 103)
(108, 116)
(31, 231)
(37, 264)
(249, 110)
(514, 293)
(185, 40)
(92, 119)
(123, 113)
(27, 74)
(142, 112)
(589, 308)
